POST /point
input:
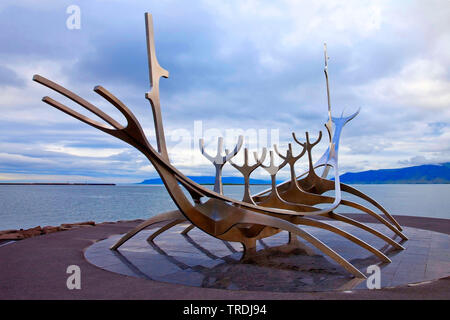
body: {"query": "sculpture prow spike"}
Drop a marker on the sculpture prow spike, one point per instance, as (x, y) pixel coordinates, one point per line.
(346, 119)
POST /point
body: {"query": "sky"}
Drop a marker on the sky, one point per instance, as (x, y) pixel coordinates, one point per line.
(251, 67)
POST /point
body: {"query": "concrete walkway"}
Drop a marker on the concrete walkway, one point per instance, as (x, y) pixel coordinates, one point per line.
(35, 268)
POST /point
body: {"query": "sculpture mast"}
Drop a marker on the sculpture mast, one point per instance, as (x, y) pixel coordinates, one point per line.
(155, 72)
(329, 124)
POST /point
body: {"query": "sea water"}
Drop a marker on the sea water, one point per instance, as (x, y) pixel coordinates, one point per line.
(26, 206)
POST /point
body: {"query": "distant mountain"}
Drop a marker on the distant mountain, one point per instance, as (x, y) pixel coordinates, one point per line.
(211, 180)
(428, 173)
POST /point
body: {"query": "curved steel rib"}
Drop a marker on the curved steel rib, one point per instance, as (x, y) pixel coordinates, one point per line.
(252, 217)
(360, 225)
(352, 238)
(165, 228)
(159, 218)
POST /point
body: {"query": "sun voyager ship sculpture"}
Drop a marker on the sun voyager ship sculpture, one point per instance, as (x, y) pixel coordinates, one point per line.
(283, 207)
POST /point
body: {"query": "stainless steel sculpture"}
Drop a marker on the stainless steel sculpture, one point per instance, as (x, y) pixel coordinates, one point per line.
(282, 207)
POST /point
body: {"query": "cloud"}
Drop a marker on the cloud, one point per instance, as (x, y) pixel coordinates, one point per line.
(233, 64)
(9, 78)
(422, 83)
(84, 152)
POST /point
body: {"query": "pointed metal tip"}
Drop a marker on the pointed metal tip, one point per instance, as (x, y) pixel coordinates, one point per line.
(148, 18)
(98, 88)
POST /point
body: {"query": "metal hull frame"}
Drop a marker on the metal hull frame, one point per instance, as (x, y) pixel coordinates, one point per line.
(284, 207)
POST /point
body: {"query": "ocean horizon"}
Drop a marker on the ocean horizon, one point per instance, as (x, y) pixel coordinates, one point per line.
(26, 206)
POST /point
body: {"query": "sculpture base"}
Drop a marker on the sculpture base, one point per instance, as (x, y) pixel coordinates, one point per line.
(200, 260)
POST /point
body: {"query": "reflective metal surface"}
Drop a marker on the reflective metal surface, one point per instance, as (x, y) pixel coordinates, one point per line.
(284, 207)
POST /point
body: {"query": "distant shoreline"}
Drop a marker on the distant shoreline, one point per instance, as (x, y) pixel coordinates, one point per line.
(53, 184)
(230, 184)
(205, 184)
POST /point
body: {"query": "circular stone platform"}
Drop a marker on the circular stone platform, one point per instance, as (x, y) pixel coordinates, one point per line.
(203, 261)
